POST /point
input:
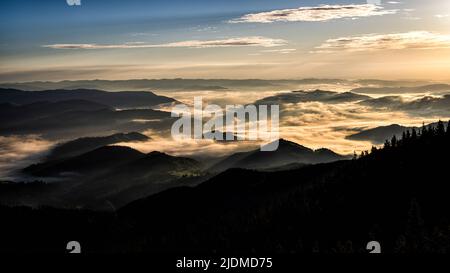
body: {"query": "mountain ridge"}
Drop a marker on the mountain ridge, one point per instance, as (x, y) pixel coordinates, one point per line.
(121, 99)
(287, 153)
(85, 144)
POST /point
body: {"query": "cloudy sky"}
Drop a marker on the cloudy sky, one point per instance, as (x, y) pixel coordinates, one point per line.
(50, 40)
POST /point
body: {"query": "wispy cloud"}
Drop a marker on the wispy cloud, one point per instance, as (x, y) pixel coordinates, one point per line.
(315, 14)
(231, 42)
(407, 40)
(280, 51)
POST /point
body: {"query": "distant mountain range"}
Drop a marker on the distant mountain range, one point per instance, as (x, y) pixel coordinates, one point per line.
(403, 90)
(76, 118)
(160, 84)
(125, 99)
(425, 106)
(195, 84)
(14, 115)
(287, 153)
(308, 96)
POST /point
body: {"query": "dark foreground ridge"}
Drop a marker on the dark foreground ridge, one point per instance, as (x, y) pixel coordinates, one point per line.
(397, 195)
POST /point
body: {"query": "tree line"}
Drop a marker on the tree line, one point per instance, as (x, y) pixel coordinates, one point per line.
(426, 133)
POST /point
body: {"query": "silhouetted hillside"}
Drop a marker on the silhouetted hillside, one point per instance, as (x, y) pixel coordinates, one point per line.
(379, 135)
(69, 119)
(102, 158)
(13, 114)
(110, 175)
(287, 153)
(147, 174)
(83, 145)
(124, 99)
(396, 195)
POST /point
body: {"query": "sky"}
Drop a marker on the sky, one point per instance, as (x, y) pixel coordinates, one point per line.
(113, 39)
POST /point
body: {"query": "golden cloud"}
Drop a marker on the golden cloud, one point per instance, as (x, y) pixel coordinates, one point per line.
(314, 14)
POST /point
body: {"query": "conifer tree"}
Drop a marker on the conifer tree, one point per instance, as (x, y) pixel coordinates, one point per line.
(394, 141)
(415, 225)
(431, 131)
(423, 131)
(414, 134)
(448, 129)
(374, 150)
(440, 129)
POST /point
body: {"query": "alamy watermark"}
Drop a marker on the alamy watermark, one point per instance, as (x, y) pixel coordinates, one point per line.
(73, 2)
(234, 123)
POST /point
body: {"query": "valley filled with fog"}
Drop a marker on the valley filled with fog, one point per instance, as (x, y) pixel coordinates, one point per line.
(314, 113)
